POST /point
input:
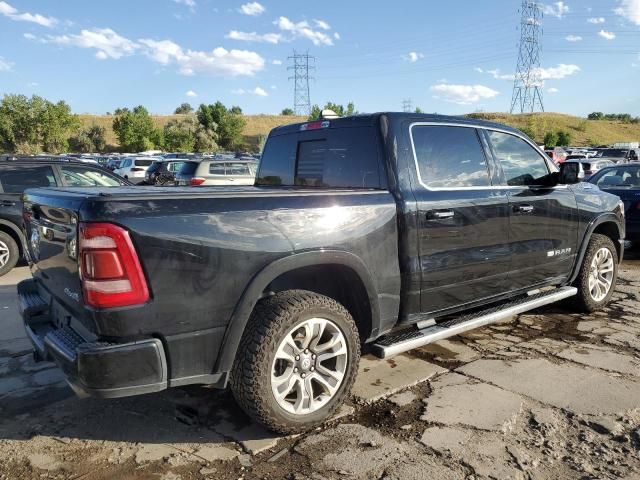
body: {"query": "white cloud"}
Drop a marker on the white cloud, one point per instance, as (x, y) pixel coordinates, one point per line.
(29, 36)
(258, 91)
(478, 69)
(33, 84)
(5, 65)
(629, 9)
(274, 38)
(573, 38)
(189, 3)
(191, 93)
(303, 30)
(322, 24)
(13, 13)
(336, 35)
(495, 73)
(562, 70)
(107, 42)
(552, 90)
(413, 57)
(276, 62)
(557, 9)
(596, 20)
(217, 62)
(463, 94)
(252, 8)
(607, 35)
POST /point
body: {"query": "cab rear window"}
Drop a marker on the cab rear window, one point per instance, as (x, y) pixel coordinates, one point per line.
(338, 158)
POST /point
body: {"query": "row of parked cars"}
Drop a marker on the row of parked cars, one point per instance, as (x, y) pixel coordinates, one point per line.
(186, 169)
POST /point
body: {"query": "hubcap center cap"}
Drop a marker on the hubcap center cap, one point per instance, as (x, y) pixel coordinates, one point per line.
(305, 362)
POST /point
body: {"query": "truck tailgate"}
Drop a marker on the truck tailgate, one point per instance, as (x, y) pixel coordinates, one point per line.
(51, 224)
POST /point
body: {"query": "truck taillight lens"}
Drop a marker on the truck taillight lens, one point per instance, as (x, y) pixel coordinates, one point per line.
(110, 270)
(197, 181)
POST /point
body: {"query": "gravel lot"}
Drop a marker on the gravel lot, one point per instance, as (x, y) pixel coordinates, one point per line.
(549, 394)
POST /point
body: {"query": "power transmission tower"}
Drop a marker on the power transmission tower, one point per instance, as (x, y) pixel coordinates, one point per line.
(527, 86)
(302, 65)
(407, 105)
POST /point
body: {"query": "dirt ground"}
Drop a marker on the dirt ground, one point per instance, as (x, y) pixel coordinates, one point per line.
(548, 394)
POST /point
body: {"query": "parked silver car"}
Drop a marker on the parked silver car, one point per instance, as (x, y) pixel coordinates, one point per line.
(217, 172)
(590, 166)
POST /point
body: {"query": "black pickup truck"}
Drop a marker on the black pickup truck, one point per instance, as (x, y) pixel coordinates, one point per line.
(391, 230)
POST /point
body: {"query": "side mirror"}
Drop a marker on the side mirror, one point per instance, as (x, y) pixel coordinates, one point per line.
(571, 173)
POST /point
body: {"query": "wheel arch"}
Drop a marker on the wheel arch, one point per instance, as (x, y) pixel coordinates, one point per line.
(606, 224)
(15, 233)
(284, 272)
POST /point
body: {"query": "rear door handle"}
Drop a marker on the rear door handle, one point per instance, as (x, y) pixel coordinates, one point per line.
(440, 215)
(523, 208)
(7, 203)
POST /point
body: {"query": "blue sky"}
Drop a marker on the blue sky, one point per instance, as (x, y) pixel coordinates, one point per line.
(449, 57)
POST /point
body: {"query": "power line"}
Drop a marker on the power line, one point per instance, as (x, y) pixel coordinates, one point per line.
(301, 68)
(527, 86)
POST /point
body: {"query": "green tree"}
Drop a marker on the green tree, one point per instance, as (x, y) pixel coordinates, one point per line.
(180, 135)
(236, 110)
(595, 116)
(551, 139)
(135, 130)
(89, 140)
(564, 139)
(31, 125)
(418, 110)
(227, 125)
(287, 112)
(183, 108)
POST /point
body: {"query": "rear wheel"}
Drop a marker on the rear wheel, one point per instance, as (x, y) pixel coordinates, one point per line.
(297, 360)
(9, 253)
(598, 274)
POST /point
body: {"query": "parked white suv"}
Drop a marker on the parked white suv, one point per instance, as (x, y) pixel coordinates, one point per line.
(134, 168)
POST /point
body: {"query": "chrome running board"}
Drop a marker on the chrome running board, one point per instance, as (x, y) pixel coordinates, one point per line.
(408, 339)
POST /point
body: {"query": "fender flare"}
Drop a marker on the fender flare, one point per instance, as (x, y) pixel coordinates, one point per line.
(599, 220)
(15, 229)
(264, 277)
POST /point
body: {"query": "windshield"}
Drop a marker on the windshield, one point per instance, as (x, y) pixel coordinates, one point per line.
(618, 177)
(83, 177)
(612, 152)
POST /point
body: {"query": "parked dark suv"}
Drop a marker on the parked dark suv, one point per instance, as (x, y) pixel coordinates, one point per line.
(162, 172)
(19, 173)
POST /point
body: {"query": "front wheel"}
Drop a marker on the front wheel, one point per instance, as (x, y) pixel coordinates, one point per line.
(9, 253)
(296, 362)
(598, 274)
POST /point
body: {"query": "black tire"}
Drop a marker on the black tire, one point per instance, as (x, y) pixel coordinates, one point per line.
(584, 301)
(7, 241)
(271, 320)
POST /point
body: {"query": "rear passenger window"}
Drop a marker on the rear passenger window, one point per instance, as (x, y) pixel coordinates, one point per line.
(18, 179)
(521, 163)
(448, 157)
(338, 157)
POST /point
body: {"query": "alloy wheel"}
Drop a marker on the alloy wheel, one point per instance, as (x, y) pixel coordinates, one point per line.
(309, 366)
(601, 274)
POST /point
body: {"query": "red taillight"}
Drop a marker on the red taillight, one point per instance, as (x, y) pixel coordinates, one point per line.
(196, 181)
(137, 169)
(110, 270)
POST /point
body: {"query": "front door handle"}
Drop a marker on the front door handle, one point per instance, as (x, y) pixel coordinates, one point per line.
(8, 203)
(440, 215)
(523, 208)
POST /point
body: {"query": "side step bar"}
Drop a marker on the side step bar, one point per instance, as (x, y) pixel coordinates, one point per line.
(408, 339)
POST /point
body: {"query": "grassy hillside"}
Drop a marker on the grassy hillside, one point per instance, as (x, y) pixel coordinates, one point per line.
(583, 132)
(257, 125)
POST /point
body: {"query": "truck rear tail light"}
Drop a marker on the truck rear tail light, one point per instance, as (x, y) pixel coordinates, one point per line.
(110, 270)
(195, 181)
